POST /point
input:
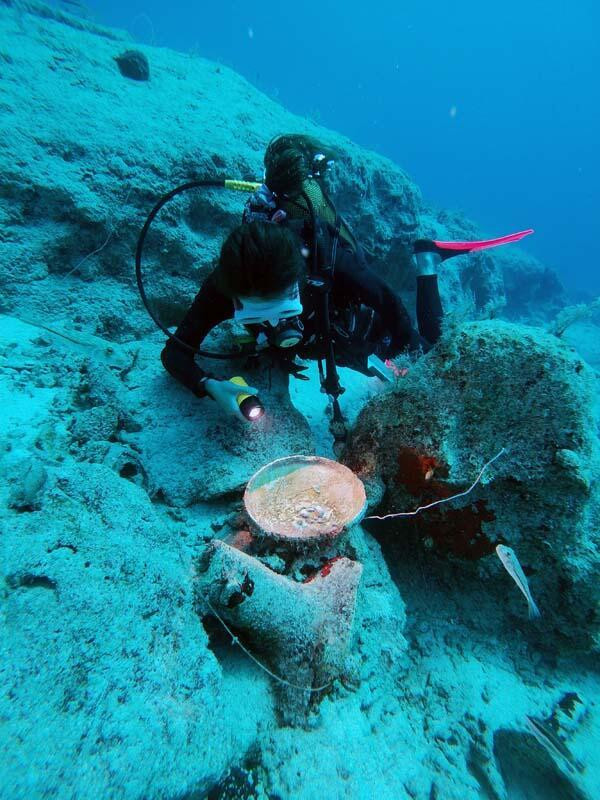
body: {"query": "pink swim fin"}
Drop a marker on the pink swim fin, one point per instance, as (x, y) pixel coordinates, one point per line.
(449, 249)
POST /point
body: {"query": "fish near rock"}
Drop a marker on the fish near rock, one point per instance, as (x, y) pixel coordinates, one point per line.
(511, 564)
(553, 744)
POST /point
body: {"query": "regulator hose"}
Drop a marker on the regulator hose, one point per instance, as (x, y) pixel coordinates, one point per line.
(240, 186)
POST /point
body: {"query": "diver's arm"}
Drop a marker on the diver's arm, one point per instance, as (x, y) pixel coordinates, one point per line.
(210, 307)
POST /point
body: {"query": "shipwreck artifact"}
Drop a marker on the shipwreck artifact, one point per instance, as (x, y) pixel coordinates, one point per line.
(301, 630)
(304, 500)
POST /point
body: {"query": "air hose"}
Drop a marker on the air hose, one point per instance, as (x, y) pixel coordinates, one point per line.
(239, 186)
(330, 381)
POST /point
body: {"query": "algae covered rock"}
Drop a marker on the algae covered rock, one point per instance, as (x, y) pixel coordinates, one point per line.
(190, 452)
(102, 656)
(133, 64)
(490, 387)
(27, 477)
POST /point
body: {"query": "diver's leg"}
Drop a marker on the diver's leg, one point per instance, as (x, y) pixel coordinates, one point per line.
(429, 308)
(429, 304)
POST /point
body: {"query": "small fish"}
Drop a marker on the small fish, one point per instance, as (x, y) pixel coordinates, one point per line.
(511, 564)
(553, 744)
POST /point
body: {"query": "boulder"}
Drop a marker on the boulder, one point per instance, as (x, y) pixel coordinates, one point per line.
(104, 661)
(191, 453)
(133, 64)
(488, 387)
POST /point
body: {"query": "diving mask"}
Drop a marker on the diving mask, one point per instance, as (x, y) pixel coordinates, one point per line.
(254, 310)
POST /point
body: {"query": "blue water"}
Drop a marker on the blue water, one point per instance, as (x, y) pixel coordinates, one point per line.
(491, 109)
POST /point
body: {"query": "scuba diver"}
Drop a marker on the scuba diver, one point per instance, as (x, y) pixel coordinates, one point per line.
(294, 275)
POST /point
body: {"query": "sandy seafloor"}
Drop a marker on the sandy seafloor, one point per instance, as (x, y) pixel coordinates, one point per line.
(111, 685)
(431, 691)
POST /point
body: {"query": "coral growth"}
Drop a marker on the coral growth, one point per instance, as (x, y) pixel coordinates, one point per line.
(449, 530)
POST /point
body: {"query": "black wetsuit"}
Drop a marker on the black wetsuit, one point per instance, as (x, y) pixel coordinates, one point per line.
(356, 293)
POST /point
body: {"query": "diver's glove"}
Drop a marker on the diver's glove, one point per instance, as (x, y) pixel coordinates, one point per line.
(225, 394)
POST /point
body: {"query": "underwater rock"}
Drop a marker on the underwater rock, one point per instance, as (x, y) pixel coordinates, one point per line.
(27, 477)
(126, 463)
(87, 230)
(133, 64)
(490, 386)
(76, 19)
(95, 424)
(240, 783)
(102, 656)
(533, 290)
(191, 453)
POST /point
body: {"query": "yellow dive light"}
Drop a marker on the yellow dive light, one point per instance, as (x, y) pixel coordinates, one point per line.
(249, 404)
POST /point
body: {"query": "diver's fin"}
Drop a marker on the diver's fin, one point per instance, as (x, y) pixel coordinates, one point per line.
(449, 249)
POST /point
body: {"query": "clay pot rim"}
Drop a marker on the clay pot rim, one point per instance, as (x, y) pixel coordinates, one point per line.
(324, 537)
